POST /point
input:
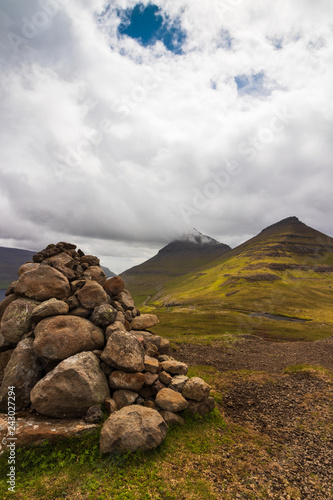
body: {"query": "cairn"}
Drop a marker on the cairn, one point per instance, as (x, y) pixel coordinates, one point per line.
(73, 343)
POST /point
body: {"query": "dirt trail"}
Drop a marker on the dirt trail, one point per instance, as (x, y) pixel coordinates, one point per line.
(253, 353)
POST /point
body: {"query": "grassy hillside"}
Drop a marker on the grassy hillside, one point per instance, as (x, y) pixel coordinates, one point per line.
(173, 261)
(286, 271)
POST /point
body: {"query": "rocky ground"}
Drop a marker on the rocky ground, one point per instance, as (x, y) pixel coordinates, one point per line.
(291, 412)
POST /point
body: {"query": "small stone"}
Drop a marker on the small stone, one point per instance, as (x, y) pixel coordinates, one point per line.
(151, 350)
(110, 406)
(81, 312)
(114, 286)
(165, 378)
(103, 315)
(95, 273)
(91, 260)
(116, 326)
(124, 397)
(144, 321)
(157, 386)
(151, 364)
(196, 389)
(172, 418)
(124, 380)
(201, 407)
(94, 415)
(125, 300)
(178, 382)
(169, 400)
(174, 367)
(150, 378)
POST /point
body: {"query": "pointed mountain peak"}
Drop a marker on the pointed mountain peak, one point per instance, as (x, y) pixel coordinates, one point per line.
(288, 222)
(197, 238)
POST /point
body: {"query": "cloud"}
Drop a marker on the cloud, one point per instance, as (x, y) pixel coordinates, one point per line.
(122, 147)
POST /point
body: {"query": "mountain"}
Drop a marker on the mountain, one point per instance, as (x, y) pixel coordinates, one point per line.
(10, 260)
(109, 274)
(274, 283)
(183, 255)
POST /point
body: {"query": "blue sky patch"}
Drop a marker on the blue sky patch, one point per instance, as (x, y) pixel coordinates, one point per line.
(147, 25)
(252, 84)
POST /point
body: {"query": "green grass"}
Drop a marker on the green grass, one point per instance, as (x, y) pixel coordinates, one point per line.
(226, 326)
(74, 468)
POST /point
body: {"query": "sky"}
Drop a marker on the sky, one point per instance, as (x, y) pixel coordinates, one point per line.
(126, 124)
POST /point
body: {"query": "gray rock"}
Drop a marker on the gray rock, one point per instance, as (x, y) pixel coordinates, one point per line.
(178, 382)
(103, 315)
(94, 415)
(76, 384)
(17, 319)
(196, 389)
(124, 352)
(132, 428)
(23, 372)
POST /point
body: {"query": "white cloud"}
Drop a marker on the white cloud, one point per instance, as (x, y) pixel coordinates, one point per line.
(104, 142)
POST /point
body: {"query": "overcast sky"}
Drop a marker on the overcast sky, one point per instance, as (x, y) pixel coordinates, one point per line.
(124, 125)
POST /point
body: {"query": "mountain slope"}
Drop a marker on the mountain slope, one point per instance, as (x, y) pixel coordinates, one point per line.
(286, 270)
(10, 260)
(188, 253)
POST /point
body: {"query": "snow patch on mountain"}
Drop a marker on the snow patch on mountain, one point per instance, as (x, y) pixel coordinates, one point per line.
(198, 238)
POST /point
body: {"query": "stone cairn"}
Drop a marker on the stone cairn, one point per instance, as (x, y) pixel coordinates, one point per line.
(73, 343)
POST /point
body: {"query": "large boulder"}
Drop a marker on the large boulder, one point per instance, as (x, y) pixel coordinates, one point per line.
(60, 337)
(70, 389)
(92, 295)
(132, 428)
(169, 400)
(23, 372)
(144, 321)
(124, 352)
(43, 283)
(17, 319)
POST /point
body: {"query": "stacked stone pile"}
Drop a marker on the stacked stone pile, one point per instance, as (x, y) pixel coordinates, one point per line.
(73, 342)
